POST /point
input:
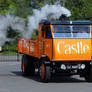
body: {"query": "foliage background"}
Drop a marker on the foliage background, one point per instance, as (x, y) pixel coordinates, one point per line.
(80, 9)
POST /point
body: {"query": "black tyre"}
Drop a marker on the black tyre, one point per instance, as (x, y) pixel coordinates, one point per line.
(27, 65)
(45, 73)
(88, 74)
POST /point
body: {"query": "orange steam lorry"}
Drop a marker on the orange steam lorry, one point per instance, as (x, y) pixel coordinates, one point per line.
(63, 47)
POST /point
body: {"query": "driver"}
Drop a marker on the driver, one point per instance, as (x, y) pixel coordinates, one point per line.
(82, 34)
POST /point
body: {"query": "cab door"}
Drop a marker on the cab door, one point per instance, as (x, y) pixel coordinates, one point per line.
(47, 43)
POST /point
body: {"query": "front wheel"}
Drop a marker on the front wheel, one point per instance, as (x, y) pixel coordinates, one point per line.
(45, 72)
(88, 75)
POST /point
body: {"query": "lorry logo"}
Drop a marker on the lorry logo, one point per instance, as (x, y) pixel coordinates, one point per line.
(77, 48)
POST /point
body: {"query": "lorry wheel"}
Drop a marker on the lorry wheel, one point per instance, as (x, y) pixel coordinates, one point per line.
(88, 75)
(27, 66)
(24, 66)
(45, 73)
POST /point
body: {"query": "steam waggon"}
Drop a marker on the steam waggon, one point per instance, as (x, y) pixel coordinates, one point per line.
(61, 47)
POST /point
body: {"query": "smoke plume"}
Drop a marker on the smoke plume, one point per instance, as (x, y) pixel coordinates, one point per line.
(7, 21)
(16, 23)
(48, 11)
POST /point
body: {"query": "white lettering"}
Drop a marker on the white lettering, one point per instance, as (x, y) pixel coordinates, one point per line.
(58, 47)
(67, 49)
(77, 48)
(85, 48)
(74, 49)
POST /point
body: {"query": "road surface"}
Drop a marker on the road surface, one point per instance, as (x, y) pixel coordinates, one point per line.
(11, 80)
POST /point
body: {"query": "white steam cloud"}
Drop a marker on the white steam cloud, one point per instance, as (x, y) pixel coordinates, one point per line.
(16, 23)
(53, 11)
(7, 21)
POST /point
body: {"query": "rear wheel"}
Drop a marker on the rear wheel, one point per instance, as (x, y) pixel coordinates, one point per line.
(45, 72)
(27, 65)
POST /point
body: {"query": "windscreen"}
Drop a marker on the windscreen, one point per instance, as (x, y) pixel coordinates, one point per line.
(71, 31)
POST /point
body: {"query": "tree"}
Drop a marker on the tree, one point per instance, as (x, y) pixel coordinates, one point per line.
(80, 9)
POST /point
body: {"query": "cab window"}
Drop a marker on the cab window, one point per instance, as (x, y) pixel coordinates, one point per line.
(48, 32)
(81, 31)
(61, 31)
(71, 31)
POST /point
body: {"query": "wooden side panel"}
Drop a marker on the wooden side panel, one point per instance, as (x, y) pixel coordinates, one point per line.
(29, 47)
(19, 45)
(32, 47)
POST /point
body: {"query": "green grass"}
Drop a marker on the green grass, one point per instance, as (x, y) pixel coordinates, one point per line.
(9, 48)
(6, 53)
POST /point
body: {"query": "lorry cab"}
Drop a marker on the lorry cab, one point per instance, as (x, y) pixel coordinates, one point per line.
(68, 45)
(67, 41)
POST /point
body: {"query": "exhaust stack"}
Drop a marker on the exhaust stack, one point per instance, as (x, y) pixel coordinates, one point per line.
(63, 18)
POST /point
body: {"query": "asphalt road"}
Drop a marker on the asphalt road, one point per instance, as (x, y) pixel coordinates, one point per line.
(11, 80)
